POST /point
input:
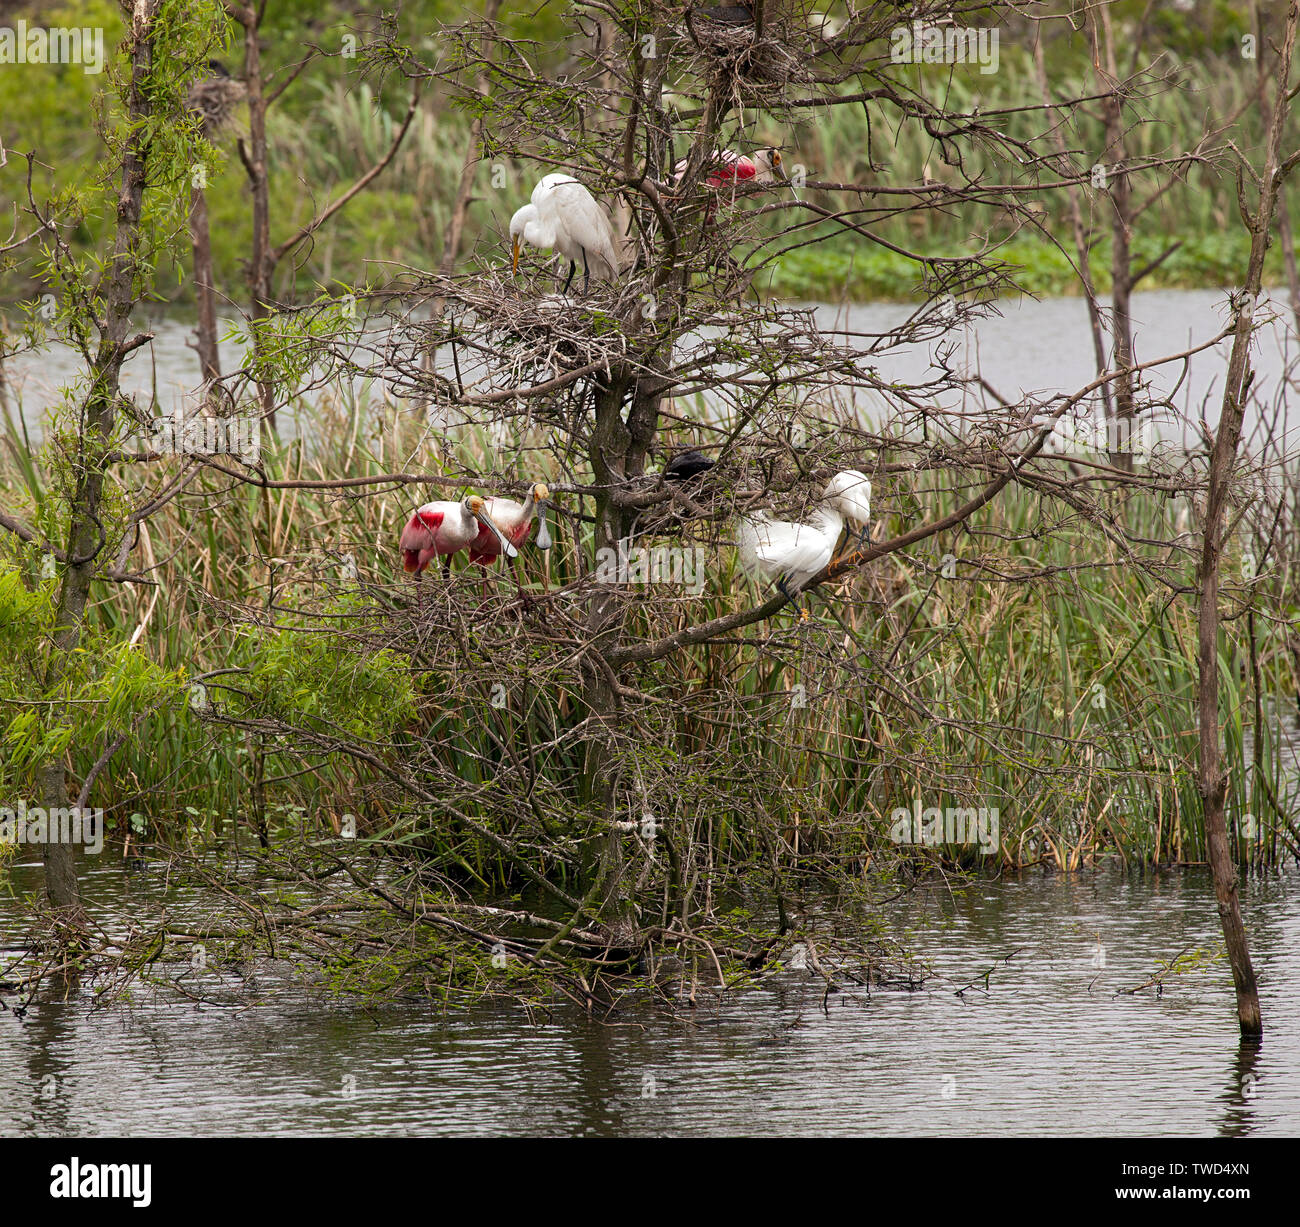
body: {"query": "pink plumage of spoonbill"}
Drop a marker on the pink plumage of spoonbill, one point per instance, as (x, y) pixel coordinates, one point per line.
(515, 521)
(764, 166)
(445, 528)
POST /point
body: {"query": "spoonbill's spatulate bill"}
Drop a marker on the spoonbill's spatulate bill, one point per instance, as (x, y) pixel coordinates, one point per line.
(789, 554)
(565, 216)
(513, 521)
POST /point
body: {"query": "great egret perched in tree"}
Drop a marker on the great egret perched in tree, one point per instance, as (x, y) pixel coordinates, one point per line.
(790, 554)
(564, 215)
(446, 528)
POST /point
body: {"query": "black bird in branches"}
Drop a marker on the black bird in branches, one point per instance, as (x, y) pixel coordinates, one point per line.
(728, 14)
(686, 465)
(708, 26)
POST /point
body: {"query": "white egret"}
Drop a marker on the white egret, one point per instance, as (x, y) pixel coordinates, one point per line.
(790, 554)
(565, 216)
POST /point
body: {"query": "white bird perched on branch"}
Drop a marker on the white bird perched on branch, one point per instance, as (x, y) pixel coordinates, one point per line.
(564, 215)
(790, 554)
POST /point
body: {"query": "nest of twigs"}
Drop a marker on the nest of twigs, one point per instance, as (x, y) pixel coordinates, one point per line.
(749, 59)
(215, 100)
(491, 332)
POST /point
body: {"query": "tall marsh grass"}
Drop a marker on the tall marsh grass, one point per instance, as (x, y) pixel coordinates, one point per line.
(1026, 675)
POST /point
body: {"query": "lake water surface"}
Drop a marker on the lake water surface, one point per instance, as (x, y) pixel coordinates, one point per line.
(1054, 1046)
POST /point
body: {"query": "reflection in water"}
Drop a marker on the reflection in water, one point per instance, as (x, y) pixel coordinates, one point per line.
(1243, 1086)
(1053, 1044)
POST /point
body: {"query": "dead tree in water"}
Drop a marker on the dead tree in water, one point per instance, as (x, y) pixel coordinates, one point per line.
(1223, 459)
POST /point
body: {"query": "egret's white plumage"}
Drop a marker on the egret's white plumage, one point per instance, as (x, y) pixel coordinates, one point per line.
(853, 490)
(790, 554)
(565, 216)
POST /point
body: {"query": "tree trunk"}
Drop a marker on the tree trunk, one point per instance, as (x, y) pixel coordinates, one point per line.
(85, 535)
(254, 157)
(1120, 423)
(602, 853)
(200, 242)
(456, 225)
(1212, 778)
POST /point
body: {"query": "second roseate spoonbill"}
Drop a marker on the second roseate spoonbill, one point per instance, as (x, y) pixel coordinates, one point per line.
(564, 215)
(445, 528)
(790, 554)
(514, 521)
(762, 166)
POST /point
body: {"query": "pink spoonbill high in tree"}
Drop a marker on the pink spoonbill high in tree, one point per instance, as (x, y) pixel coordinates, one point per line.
(763, 166)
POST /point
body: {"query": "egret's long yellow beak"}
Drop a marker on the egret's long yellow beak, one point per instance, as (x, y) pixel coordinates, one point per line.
(514, 262)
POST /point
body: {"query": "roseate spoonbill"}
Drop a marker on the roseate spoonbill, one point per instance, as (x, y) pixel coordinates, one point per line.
(564, 215)
(446, 528)
(762, 166)
(790, 554)
(513, 521)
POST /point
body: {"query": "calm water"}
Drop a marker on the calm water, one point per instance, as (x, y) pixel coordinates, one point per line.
(1028, 347)
(1050, 1048)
